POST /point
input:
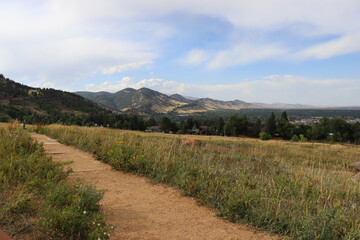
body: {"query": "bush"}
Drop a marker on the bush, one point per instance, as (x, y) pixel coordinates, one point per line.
(264, 136)
(73, 210)
(303, 138)
(295, 138)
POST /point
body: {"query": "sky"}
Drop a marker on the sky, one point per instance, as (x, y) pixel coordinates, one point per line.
(269, 51)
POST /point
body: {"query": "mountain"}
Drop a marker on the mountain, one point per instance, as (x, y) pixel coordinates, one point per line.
(208, 104)
(143, 101)
(146, 101)
(18, 100)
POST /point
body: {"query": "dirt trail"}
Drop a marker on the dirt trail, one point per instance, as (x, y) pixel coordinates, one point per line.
(141, 210)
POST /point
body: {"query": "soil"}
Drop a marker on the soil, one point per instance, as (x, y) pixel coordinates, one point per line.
(141, 210)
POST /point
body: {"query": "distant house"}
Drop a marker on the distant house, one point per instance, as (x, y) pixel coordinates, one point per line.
(153, 129)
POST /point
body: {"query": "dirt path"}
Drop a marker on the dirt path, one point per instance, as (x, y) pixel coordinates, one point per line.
(141, 210)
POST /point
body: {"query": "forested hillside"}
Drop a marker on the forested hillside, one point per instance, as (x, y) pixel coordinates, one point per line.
(18, 101)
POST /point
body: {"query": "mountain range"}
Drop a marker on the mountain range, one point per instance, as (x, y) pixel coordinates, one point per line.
(147, 101)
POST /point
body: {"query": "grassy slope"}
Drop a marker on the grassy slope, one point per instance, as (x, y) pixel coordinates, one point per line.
(301, 190)
(34, 202)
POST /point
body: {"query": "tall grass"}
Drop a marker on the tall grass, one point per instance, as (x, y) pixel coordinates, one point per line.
(301, 190)
(35, 202)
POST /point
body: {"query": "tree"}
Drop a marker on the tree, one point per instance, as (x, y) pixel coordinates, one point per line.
(220, 126)
(150, 122)
(284, 128)
(165, 124)
(255, 128)
(270, 124)
(236, 126)
(284, 116)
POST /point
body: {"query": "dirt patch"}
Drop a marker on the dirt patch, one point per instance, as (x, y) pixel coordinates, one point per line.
(141, 210)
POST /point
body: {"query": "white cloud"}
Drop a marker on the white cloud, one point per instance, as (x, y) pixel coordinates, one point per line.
(65, 43)
(125, 67)
(243, 54)
(330, 17)
(194, 57)
(341, 46)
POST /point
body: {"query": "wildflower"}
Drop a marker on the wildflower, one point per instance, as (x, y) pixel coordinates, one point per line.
(105, 233)
(142, 155)
(98, 224)
(84, 212)
(94, 223)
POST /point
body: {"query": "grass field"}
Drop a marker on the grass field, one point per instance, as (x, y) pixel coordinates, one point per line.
(301, 190)
(35, 200)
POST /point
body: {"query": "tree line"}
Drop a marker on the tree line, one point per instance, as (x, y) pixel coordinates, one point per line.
(329, 129)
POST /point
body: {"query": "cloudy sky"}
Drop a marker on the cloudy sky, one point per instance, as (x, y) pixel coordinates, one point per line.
(267, 51)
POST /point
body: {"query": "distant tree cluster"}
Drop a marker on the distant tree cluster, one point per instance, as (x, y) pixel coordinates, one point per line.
(328, 129)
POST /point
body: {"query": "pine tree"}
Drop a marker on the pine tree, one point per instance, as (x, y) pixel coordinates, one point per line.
(270, 124)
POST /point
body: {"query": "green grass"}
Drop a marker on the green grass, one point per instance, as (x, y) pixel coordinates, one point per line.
(35, 201)
(300, 190)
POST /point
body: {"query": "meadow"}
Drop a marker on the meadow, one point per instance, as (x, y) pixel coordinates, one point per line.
(299, 190)
(36, 201)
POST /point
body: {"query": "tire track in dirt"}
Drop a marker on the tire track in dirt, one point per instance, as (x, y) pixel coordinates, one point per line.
(141, 210)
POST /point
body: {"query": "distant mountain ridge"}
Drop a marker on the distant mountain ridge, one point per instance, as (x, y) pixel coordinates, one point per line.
(143, 101)
(147, 101)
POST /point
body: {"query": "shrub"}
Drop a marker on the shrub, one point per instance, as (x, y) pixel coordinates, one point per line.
(295, 138)
(303, 138)
(264, 136)
(73, 210)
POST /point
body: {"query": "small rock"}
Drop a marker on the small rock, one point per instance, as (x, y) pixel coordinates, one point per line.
(355, 165)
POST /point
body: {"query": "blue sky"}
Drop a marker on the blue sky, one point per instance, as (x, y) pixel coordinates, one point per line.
(288, 51)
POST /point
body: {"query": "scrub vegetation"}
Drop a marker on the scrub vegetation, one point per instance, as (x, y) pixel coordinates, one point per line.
(35, 200)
